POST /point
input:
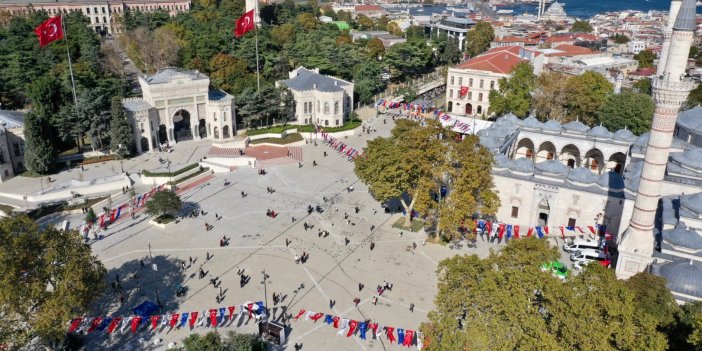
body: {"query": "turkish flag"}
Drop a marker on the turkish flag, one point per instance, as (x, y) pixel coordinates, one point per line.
(464, 90)
(244, 24)
(49, 31)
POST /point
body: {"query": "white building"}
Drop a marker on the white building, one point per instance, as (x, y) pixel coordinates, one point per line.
(454, 27)
(319, 99)
(469, 83)
(177, 105)
(11, 144)
(636, 46)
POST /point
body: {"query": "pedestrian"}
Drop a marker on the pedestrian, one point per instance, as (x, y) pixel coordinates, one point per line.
(347, 241)
(331, 304)
(372, 227)
(182, 265)
(401, 234)
(375, 211)
(191, 259)
(411, 307)
(297, 259)
(207, 257)
(360, 286)
(202, 273)
(356, 301)
(121, 298)
(375, 300)
(220, 291)
(372, 245)
(114, 286)
(414, 245)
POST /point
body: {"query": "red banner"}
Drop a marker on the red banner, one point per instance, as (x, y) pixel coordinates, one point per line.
(250, 310)
(409, 336)
(193, 318)
(389, 332)
(316, 316)
(174, 320)
(464, 90)
(231, 312)
(154, 321)
(336, 321)
(352, 327)
(75, 323)
(115, 322)
(299, 314)
(516, 231)
(135, 323)
(96, 321)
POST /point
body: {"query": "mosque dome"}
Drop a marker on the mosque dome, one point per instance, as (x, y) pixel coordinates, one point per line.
(600, 132)
(692, 203)
(624, 135)
(552, 167)
(683, 277)
(576, 126)
(691, 159)
(502, 161)
(582, 175)
(552, 125)
(683, 237)
(510, 117)
(532, 123)
(523, 165)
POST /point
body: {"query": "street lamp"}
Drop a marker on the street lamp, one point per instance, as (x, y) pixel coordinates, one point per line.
(265, 289)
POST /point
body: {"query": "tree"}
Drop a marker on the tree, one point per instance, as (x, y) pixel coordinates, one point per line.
(368, 80)
(581, 27)
(46, 94)
(586, 93)
(164, 202)
(212, 341)
(645, 58)
(478, 38)
(694, 99)
(228, 73)
(121, 137)
(514, 94)
(364, 23)
(409, 58)
(620, 39)
(40, 154)
(532, 310)
(550, 96)
(307, 21)
(643, 86)
(394, 29)
(652, 297)
(447, 49)
(375, 48)
(47, 277)
(627, 110)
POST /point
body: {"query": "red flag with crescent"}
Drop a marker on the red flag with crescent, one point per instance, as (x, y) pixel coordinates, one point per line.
(391, 336)
(464, 90)
(336, 321)
(244, 24)
(193, 318)
(75, 323)
(135, 323)
(213, 317)
(49, 31)
(302, 311)
(409, 337)
(316, 316)
(231, 311)
(530, 232)
(115, 322)
(94, 324)
(352, 327)
(154, 322)
(250, 306)
(516, 231)
(174, 319)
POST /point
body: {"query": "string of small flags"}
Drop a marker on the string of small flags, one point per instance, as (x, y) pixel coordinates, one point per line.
(336, 144)
(105, 219)
(516, 231)
(217, 317)
(348, 327)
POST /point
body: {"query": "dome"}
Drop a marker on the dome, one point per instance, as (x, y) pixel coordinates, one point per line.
(691, 119)
(523, 165)
(553, 167)
(684, 237)
(690, 159)
(611, 180)
(683, 277)
(489, 142)
(600, 132)
(552, 125)
(624, 135)
(642, 140)
(576, 126)
(531, 122)
(582, 175)
(692, 203)
(510, 117)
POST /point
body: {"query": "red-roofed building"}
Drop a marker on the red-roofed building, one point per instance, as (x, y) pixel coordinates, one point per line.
(514, 41)
(368, 10)
(469, 83)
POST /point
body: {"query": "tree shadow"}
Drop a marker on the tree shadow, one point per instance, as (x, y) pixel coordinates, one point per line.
(137, 283)
(190, 208)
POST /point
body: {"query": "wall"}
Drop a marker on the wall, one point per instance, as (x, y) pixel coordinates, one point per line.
(62, 191)
(162, 180)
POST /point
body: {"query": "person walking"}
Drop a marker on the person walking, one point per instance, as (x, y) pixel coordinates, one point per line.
(412, 307)
(375, 300)
(356, 301)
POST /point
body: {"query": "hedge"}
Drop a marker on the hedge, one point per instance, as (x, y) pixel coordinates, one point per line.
(274, 130)
(352, 124)
(172, 174)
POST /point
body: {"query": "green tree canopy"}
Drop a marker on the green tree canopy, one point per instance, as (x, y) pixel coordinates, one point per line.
(627, 110)
(581, 27)
(505, 302)
(620, 38)
(653, 298)
(40, 153)
(213, 341)
(694, 99)
(645, 58)
(586, 93)
(478, 38)
(164, 202)
(121, 137)
(643, 86)
(514, 94)
(367, 80)
(47, 277)
(409, 58)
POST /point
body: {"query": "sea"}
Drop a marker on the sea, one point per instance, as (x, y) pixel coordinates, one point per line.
(575, 8)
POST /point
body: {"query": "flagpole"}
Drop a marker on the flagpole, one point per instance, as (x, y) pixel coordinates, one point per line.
(70, 65)
(258, 75)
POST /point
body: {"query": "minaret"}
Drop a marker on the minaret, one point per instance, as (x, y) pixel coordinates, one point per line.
(670, 90)
(667, 33)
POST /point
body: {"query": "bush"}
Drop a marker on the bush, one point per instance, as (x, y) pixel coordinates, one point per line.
(172, 174)
(274, 130)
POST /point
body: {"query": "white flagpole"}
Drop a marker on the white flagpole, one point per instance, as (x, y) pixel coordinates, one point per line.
(258, 75)
(70, 65)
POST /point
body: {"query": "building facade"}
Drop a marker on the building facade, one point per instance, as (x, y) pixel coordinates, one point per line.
(104, 16)
(469, 83)
(11, 144)
(454, 27)
(177, 105)
(319, 99)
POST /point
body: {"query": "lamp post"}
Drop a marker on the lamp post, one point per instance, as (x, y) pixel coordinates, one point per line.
(265, 289)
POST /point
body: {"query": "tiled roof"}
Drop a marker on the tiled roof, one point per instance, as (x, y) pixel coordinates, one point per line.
(362, 8)
(168, 74)
(310, 80)
(570, 50)
(498, 60)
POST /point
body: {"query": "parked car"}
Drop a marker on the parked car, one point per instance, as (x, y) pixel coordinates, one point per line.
(588, 255)
(579, 244)
(556, 268)
(580, 265)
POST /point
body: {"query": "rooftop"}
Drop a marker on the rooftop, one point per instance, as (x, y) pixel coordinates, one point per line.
(167, 75)
(305, 79)
(498, 60)
(12, 119)
(136, 105)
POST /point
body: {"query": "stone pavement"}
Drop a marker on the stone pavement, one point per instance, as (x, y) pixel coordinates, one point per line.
(257, 243)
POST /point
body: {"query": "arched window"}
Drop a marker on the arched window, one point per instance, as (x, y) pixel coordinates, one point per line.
(336, 108)
(326, 108)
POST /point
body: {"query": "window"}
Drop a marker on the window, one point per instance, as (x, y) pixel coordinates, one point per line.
(470, 95)
(480, 96)
(450, 93)
(481, 83)
(104, 19)
(336, 108)
(480, 110)
(141, 127)
(451, 80)
(460, 80)
(224, 116)
(326, 108)
(337, 122)
(571, 222)
(97, 19)
(317, 106)
(103, 10)
(515, 212)
(16, 147)
(492, 84)
(96, 11)
(304, 107)
(88, 10)
(470, 82)
(2, 157)
(326, 122)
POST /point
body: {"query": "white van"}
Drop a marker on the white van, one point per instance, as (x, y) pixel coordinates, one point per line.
(588, 255)
(580, 244)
